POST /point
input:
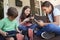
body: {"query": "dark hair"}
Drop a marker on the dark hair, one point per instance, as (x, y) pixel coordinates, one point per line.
(23, 15)
(12, 12)
(47, 4)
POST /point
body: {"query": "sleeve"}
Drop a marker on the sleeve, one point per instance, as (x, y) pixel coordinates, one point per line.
(56, 12)
(1, 24)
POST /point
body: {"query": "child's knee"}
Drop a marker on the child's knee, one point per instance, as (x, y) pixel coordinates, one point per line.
(51, 25)
(10, 38)
(30, 33)
(20, 37)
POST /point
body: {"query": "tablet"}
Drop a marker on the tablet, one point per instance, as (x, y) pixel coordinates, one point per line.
(43, 18)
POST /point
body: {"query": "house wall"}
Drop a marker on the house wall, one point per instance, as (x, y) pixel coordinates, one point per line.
(11, 3)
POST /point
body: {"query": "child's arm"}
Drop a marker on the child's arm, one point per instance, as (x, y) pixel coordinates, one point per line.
(18, 30)
(16, 27)
(40, 22)
(3, 33)
(2, 23)
(24, 21)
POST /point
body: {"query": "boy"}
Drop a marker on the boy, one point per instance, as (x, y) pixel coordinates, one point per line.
(8, 26)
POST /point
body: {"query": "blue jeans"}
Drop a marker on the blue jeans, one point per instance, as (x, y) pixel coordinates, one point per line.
(11, 33)
(22, 27)
(25, 29)
(49, 28)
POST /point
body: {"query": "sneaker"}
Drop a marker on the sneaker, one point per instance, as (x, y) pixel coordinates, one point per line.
(46, 35)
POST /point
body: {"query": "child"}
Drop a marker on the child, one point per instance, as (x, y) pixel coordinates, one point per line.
(25, 22)
(8, 25)
(53, 15)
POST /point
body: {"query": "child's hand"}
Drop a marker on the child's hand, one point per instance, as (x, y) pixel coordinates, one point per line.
(18, 30)
(4, 34)
(27, 19)
(41, 23)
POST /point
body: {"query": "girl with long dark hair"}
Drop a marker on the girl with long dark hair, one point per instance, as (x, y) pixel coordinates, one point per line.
(25, 22)
(53, 15)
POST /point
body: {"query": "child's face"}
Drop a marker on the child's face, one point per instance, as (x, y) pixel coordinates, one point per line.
(27, 11)
(47, 9)
(11, 18)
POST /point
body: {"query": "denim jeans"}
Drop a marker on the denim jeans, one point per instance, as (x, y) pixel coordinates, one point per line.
(49, 28)
(22, 27)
